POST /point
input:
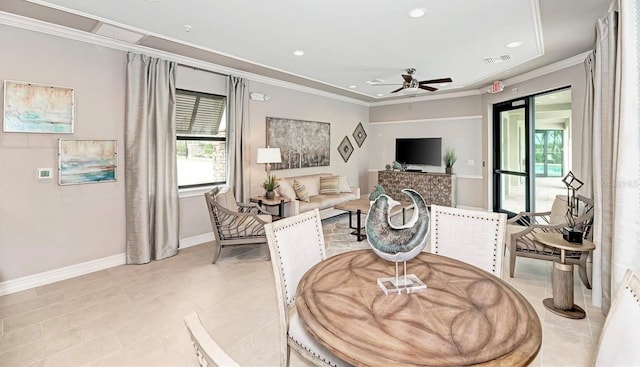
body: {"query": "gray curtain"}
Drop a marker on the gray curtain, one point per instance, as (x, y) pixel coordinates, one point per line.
(612, 150)
(151, 185)
(238, 149)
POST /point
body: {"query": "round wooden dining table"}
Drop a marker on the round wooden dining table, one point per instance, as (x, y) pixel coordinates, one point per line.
(466, 316)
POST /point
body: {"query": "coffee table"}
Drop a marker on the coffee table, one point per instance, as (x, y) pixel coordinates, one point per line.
(361, 206)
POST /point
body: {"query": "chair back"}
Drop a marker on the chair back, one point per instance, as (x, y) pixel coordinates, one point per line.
(618, 344)
(471, 236)
(296, 244)
(208, 352)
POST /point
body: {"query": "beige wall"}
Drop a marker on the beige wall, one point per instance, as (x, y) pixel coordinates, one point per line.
(44, 226)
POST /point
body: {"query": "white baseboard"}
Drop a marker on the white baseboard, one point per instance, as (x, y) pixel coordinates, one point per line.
(196, 240)
(56, 275)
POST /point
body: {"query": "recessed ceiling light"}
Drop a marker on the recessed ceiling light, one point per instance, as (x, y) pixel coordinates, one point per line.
(353, 86)
(188, 27)
(380, 94)
(298, 52)
(444, 84)
(514, 44)
(417, 13)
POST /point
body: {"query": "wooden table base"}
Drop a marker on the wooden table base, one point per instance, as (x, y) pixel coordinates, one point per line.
(562, 301)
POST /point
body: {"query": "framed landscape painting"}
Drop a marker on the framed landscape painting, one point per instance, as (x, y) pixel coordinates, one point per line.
(34, 108)
(86, 161)
(302, 143)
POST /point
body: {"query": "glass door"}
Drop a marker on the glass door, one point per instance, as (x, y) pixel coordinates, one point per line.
(531, 151)
(511, 176)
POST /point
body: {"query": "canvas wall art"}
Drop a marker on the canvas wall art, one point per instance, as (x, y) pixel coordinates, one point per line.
(86, 161)
(34, 108)
(302, 143)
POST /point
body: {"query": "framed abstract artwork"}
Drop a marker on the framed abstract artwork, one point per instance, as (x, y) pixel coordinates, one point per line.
(345, 148)
(86, 161)
(34, 108)
(359, 135)
(302, 143)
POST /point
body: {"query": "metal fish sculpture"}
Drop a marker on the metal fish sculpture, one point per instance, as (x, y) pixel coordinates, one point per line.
(397, 243)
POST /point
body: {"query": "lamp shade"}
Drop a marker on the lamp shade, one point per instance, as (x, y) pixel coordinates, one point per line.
(269, 155)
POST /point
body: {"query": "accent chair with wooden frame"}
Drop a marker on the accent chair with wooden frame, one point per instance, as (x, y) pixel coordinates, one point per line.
(472, 236)
(234, 223)
(296, 244)
(522, 228)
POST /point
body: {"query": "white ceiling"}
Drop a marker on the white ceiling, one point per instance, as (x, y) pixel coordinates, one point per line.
(350, 42)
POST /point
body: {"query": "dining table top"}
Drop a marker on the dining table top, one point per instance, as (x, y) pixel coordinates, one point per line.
(465, 317)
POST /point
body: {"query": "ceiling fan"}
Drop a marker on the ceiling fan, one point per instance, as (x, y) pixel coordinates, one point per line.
(414, 84)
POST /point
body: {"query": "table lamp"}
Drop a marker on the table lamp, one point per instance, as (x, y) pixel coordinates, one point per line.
(268, 156)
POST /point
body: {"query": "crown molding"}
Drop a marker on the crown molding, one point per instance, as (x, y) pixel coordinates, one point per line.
(426, 120)
(18, 21)
(548, 69)
(427, 98)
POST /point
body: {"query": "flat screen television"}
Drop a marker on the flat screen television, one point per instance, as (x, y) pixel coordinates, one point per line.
(427, 151)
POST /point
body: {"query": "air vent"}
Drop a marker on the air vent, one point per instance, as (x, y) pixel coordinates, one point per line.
(497, 60)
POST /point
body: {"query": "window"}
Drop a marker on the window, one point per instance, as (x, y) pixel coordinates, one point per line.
(201, 133)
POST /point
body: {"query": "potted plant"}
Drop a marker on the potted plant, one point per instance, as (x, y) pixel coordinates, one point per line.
(269, 185)
(449, 159)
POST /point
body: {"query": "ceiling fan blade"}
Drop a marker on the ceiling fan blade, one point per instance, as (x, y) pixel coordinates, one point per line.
(426, 87)
(407, 78)
(433, 81)
(398, 90)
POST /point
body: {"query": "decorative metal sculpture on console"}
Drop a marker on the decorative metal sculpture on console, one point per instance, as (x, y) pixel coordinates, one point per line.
(398, 243)
(571, 233)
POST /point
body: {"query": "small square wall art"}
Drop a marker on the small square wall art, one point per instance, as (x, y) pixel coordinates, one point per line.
(345, 148)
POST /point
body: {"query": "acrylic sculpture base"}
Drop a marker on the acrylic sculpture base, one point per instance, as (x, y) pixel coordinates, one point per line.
(403, 284)
(407, 283)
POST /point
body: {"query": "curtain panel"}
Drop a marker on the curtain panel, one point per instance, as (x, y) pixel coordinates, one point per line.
(238, 149)
(611, 138)
(151, 183)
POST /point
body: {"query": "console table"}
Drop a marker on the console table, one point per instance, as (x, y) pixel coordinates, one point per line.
(435, 188)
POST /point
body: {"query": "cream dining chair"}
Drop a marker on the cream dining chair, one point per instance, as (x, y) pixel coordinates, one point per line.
(471, 236)
(296, 244)
(618, 344)
(208, 352)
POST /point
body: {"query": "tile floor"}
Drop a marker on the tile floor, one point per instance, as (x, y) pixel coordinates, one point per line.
(131, 315)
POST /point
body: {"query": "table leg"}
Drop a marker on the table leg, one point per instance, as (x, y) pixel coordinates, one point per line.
(281, 209)
(359, 234)
(562, 301)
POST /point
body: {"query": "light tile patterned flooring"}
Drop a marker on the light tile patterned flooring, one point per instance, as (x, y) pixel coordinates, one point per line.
(131, 315)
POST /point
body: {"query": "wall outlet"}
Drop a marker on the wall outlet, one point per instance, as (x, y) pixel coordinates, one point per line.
(471, 162)
(44, 173)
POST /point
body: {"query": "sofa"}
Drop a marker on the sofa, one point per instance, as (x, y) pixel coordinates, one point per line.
(324, 202)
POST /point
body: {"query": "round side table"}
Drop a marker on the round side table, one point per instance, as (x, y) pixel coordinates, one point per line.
(562, 301)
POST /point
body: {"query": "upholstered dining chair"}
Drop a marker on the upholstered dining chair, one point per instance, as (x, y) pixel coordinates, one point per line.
(522, 228)
(471, 236)
(234, 223)
(296, 244)
(618, 345)
(208, 352)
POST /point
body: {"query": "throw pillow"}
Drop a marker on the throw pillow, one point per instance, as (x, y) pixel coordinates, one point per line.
(286, 190)
(301, 191)
(329, 185)
(344, 184)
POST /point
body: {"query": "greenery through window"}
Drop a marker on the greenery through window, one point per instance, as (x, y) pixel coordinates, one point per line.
(201, 138)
